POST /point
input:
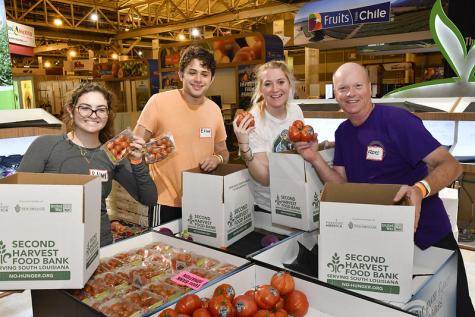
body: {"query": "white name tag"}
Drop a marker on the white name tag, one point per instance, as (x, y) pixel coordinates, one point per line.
(102, 174)
(205, 132)
(374, 153)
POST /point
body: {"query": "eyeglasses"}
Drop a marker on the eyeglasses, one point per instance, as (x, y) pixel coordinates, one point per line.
(87, 112)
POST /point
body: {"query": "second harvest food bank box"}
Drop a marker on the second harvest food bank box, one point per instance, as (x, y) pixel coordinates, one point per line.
(433, 286)
(49, 230)
(60, 303)
(217, 207)
(295, 190)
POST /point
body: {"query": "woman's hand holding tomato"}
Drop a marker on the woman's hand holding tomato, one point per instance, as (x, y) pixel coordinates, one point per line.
(243, 125)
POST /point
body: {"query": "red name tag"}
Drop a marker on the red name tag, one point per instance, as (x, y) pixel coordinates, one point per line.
(189, 279)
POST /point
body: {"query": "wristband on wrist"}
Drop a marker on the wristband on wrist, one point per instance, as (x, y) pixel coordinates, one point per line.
(135, 162)
(243, 152)
(421, 188)
(220, 158)
(426, 186)
(249, 158)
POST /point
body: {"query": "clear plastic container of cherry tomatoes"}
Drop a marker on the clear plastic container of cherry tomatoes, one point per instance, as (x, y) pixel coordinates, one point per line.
(167, 291)
(144, 299)
(159, 149)
(118, 307)
(117, 148)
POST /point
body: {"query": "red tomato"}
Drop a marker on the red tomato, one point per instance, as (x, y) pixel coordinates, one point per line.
(283, 282)
(201, 312)
(226, 290)
(296, 303)
(220, 306)
(245, 306)
(264, 313)
(307, 134)
(298, 124)
(294, 134)
(280, 304)
(188, 304)
(242, 115)
(169, 312)
(204, 302)
(266, 296)
(281, 313)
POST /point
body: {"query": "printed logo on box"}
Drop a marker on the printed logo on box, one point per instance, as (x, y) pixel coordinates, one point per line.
(334, 224)
(202, 225)
(240, 219)
(33, 260)
(357, 224)
(392, 227)
(286, 205)
(92, 250)
(23, 208)
(316, 206)
(363, 273)
(3, 208)
(60, 208)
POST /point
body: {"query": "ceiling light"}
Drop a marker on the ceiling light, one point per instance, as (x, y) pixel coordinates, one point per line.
(195, 32)
(126, 29)
(114, 56)
(181, 37)
(58, 22)
(73, 53)
(47, 64)
(94, 17)
(140, 53)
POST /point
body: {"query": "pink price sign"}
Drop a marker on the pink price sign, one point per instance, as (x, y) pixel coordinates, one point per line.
(189, 279)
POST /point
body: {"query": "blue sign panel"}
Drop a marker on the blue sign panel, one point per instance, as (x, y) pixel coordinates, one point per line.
(368, 14)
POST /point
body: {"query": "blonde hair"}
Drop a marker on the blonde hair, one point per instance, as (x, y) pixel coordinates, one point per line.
(257, 100)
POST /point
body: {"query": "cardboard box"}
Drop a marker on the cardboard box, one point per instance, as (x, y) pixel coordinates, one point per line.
(121, 205)
(59, 303)
(295, 190)
(49, 230)
(324, 300)
(366, 242)
(217, 207)
(433, 286)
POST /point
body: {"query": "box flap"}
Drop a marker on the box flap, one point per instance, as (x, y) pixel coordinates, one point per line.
(376, 194)
(47, 179)
(221, 170)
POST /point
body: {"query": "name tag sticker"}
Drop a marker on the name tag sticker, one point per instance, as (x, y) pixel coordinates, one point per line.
(102, 174)
(205, 132)
(189, 279)
(374, 153)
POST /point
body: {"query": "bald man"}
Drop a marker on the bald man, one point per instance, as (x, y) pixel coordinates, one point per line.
(388, 145)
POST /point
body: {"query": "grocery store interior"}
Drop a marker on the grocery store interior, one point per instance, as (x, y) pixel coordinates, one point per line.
(419, 55)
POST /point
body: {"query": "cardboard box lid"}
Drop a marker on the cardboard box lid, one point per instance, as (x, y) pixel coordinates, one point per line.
(221, 170)
(47, 179)
(360, 193)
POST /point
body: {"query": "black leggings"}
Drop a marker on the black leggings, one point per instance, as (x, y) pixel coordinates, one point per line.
(464, 303)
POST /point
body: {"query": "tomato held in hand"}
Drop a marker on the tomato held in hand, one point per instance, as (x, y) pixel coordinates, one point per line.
(300, 132)
(188, 304)
(242, 115)
(245, 306)
(296, 303)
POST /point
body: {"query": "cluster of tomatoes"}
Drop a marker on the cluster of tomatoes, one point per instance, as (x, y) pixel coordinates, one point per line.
(158, 149)
(118, 147)
(242, 115)
(279, 299)
(299, 132)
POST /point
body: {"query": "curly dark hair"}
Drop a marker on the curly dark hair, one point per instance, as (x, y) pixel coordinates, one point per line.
(68, 114)
(203, 55)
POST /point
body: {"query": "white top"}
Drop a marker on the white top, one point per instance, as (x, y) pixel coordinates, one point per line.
(262, 139)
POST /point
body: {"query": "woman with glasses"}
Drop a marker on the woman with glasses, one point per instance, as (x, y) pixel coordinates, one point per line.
(89, 119)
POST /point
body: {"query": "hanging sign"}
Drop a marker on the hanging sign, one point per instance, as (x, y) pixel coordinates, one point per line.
(21, 34)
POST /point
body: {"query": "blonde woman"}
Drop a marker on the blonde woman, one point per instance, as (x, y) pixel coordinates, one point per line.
(272, 113)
